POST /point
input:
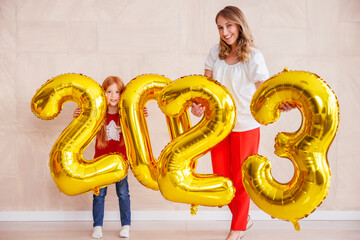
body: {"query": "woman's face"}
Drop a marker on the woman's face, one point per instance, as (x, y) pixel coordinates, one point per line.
(113, 95)
(228, 30)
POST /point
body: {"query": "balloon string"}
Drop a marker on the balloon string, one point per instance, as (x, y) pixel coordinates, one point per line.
(96, 191)
(193, 209)
(296, 225)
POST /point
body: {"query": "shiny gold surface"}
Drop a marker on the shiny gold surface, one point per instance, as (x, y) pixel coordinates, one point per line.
(71, 172)
(137, 93)
(307, 147)
(177, 179)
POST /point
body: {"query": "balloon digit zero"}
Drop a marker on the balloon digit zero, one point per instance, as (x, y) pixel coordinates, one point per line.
(137, 93)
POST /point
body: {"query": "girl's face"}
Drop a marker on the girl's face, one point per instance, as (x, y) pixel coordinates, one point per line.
(228, 30)
(113, 95)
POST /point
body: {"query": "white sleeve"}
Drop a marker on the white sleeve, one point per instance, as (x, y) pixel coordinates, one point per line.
(211, 58)
(256, 66)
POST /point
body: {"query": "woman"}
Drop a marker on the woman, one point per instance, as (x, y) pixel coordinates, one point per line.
(240, 67)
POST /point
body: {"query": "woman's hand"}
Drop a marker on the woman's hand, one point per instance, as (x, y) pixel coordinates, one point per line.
(285, 107)
(146, 112)
(77, 112)
(197, 109)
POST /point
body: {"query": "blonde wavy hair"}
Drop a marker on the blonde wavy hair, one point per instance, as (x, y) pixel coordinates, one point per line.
(245, 40)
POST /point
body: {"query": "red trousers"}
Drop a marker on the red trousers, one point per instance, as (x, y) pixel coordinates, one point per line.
(227, 158)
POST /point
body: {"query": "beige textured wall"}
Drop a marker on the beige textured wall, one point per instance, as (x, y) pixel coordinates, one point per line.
(40, 39)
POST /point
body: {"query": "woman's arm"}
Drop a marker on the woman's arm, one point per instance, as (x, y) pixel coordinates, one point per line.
(198, 109)
(146, 111)
(208, 73)
(76, 112)
(285, 107)
(257, 84)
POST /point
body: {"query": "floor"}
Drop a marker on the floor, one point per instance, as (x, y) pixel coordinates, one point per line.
(181, 230)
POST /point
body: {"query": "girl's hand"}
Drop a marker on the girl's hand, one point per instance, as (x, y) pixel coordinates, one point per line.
(197, 109)
(285, 107)
(77, 112)
(146, 112)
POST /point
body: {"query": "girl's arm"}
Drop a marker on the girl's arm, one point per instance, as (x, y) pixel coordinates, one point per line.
(77, 112)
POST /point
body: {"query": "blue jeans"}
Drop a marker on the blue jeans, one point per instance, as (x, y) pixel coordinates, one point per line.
(122, 191)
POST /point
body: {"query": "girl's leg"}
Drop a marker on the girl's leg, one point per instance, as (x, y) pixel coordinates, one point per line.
(243, 144)
(220, 159)
(122, 191)
(98, 207)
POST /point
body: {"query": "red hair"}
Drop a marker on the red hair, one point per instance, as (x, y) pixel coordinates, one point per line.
(101, 135)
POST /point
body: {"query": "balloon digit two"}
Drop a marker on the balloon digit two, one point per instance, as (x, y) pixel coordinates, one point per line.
(71, 172)
(177, 179)
(307, 148)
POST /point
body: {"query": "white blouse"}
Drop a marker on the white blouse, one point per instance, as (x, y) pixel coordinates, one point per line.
(239, 79)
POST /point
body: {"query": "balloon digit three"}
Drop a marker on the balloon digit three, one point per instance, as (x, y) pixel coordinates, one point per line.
(307, 148)
(72, 174)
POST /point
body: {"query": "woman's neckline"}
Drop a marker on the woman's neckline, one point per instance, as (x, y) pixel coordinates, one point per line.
(230, 65)
(233, 57)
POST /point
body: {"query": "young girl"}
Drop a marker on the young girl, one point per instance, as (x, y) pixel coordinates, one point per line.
(240, 67)
(109, 140)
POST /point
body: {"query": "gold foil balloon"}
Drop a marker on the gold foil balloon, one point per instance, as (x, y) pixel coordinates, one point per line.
(307, 148)
(71, 172)
(137, 93)
(177, 179)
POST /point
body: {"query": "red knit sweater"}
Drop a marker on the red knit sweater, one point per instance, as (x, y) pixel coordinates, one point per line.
(114, 137)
